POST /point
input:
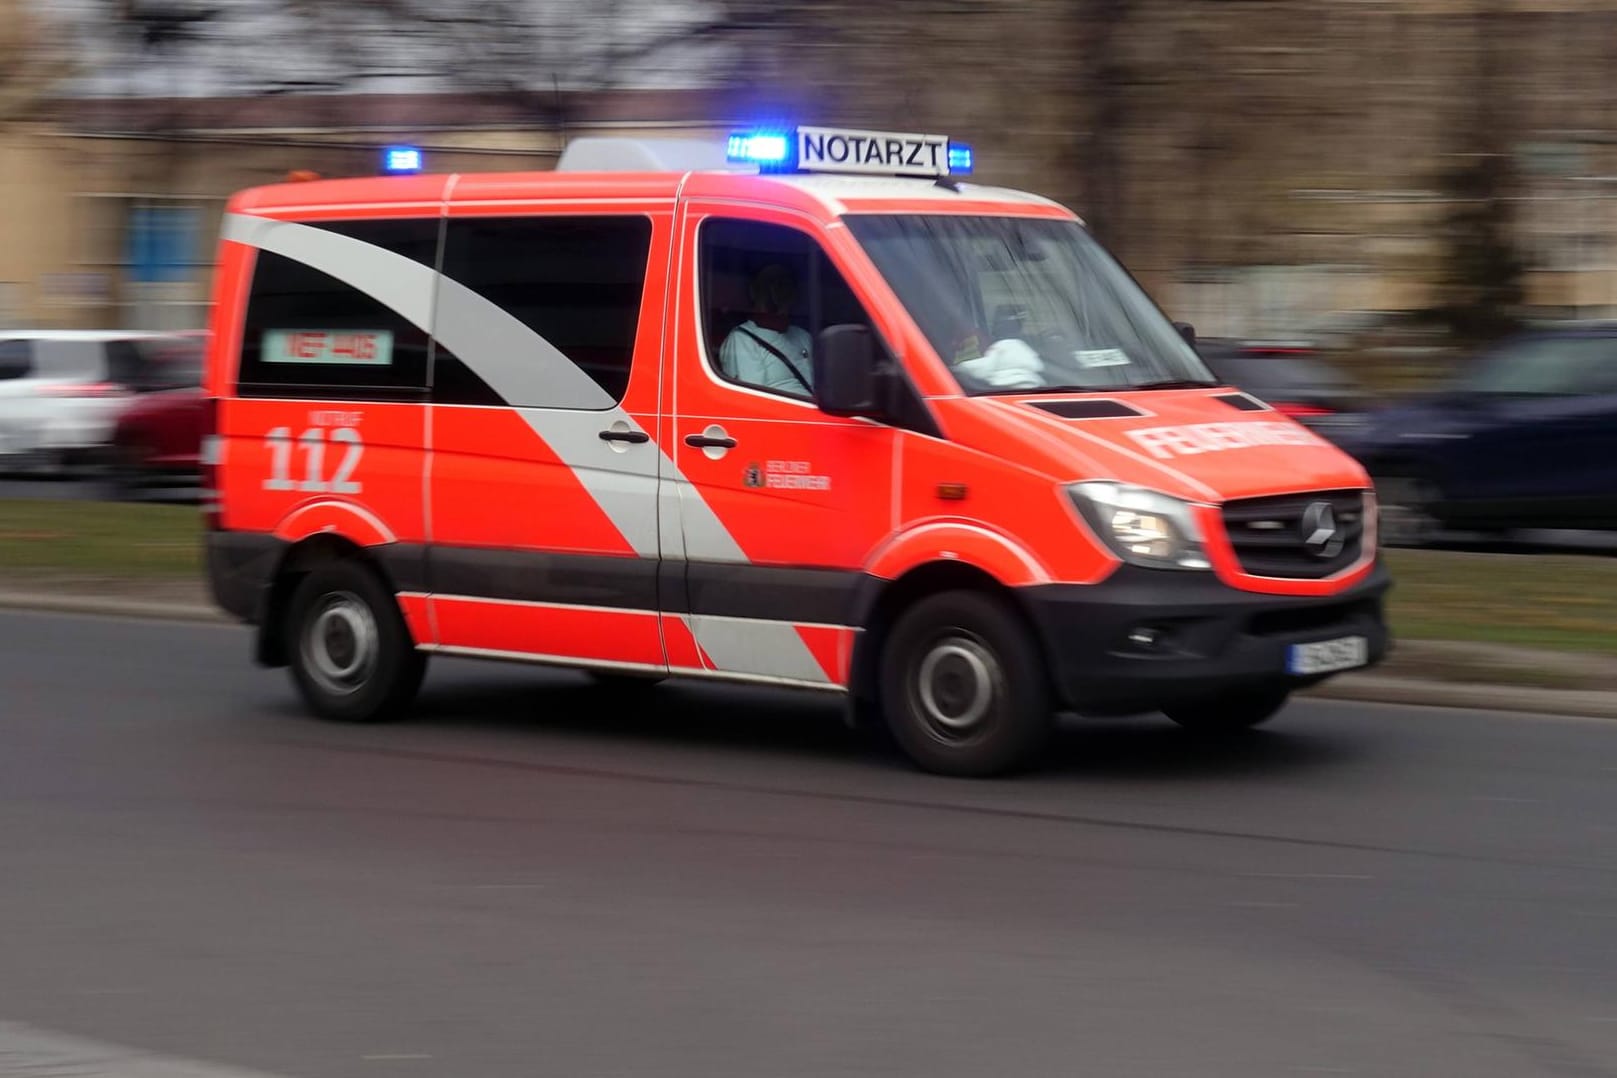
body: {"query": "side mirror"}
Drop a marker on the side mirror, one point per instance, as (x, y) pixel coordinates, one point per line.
(845, 371)
(1187, 331)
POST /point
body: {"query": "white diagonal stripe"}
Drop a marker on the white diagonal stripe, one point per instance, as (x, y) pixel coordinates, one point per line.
(400, 283)
(745, 646)
(517, 363)
(563, 406)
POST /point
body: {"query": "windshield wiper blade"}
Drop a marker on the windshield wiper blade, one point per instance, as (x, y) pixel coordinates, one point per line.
(1174, 383)
(1011, 390)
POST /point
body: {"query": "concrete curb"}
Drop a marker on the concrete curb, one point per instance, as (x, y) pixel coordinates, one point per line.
(1373, 689)
(1366, 688)
(111, 606)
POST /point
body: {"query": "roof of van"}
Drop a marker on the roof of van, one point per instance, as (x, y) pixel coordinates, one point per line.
(821, 194)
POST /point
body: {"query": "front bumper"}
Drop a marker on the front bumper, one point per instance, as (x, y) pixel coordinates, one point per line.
(1211, 638)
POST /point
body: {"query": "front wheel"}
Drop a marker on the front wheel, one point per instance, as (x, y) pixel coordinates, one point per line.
(1230, 712)
(963, 688)
(351, 653)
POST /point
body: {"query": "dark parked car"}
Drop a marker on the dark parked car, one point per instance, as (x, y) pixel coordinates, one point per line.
(1292, 379)
(1525, 436)
(158, 436)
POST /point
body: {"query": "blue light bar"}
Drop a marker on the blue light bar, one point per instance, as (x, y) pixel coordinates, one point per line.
(402, 160)
(761, 148)
(834, 149)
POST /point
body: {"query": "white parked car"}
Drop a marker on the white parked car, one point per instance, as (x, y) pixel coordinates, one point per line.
(62, 391)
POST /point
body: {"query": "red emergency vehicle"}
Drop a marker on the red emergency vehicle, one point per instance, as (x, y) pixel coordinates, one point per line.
(807, 410)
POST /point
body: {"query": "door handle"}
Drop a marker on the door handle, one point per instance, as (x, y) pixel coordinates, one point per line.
(634, 437)
(708, 441)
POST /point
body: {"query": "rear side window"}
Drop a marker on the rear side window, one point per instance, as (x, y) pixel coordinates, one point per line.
(170, 362)
(125, 365)
(577, 282)
(16, 360)
(310, 334)
(77, 361)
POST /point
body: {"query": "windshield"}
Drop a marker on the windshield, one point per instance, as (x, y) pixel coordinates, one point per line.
(1545, 366)
(1020, 305)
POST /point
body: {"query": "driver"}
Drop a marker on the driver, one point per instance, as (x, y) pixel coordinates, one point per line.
(767, 350)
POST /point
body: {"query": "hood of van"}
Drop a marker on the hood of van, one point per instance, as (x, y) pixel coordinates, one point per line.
(1202, 445)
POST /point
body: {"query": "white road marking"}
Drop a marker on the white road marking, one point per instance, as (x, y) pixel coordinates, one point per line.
(28, 1052)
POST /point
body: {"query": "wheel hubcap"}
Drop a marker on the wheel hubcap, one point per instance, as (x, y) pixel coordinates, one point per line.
(341, 645)
(956, 683)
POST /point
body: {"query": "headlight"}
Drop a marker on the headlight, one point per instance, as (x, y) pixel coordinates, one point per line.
(1142, 526)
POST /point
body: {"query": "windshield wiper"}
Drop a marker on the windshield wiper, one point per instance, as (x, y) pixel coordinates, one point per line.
(1174, 383)
(1011, 390)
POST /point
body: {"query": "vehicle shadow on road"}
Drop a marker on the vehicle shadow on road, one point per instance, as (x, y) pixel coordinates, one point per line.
(781, 724)
(1150, 747)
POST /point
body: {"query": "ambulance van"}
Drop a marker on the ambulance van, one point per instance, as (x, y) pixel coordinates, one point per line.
(806, 410)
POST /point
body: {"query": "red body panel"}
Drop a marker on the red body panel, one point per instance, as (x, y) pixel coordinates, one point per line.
(627, 636)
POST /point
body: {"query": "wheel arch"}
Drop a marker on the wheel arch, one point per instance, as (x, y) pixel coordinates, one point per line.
(300, 559)
(890, 598)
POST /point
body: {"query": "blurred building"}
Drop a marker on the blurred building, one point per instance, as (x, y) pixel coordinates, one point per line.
(1266, 168)
(110, 206)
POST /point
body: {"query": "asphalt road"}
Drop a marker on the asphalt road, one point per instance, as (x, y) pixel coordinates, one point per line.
(537, 877)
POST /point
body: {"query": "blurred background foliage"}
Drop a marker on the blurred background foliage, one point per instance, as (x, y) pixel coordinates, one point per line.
(1392, 179)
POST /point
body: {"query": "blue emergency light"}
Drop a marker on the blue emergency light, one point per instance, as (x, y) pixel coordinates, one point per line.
(402, 160)
(761, 148)
(829, 149)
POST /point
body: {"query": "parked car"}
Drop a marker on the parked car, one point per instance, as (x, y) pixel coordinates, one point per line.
(1290, 378)
(1524, 436)
(157, 442)
(62, 391)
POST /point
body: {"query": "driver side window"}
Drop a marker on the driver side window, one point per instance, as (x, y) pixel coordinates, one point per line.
(766, 293)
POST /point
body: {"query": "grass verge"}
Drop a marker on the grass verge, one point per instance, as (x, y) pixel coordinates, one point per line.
(1557, 602)
(98, 540)
(1562, 602)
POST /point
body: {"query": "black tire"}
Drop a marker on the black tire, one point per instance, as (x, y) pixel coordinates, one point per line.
(351, 654)
(1230, 712)
(963, 686)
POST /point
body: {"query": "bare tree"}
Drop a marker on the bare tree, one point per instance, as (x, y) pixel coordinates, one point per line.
(33, 60)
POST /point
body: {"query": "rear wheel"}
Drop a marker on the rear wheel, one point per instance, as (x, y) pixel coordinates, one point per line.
(963, 687)
(351, 654)
(1229, 712)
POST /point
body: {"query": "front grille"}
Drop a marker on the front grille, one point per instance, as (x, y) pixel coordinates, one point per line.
(1301, 536)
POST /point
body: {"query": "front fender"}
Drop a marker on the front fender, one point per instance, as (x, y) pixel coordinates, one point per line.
(1001, 557)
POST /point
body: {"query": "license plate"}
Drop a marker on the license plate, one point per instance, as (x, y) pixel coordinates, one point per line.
(1326, 656)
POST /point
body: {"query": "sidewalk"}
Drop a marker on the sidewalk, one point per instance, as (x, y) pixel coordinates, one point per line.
(1487, 677)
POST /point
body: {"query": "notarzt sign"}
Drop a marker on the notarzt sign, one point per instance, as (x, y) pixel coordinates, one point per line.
(887, 153)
